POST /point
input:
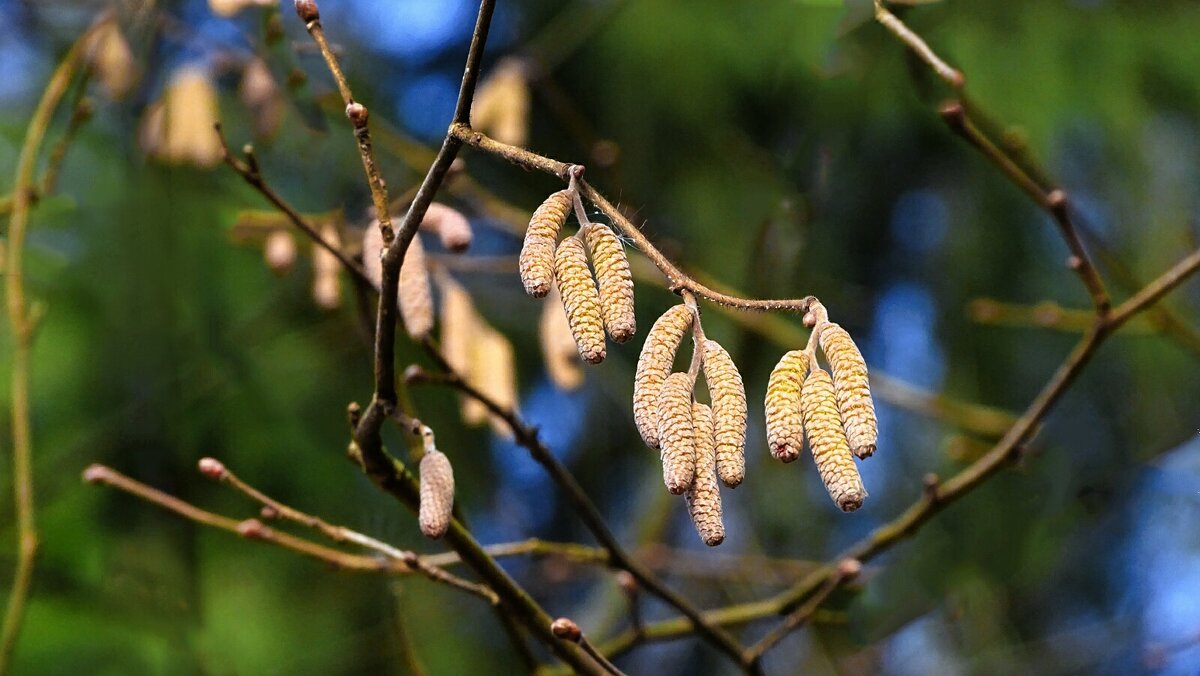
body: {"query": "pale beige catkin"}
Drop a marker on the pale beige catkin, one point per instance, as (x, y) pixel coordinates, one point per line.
(827, 439)
(654, 363)
(616, 281)
(493, 373)
(414, 296)
(327, 280)
(580, 299)
(536, 262)
(853, 388)
(676, 434)
(452, 228)
(729, 412)
(437, 493)
(785, 423)
(558, 345)
(704, 495)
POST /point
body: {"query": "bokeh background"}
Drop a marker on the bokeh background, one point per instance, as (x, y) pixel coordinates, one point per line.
(783, 148)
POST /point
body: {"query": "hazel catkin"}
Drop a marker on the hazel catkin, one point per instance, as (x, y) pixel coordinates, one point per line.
(616, 281)
(580, 299)
(785, 423)
(853, 389)
(537, 253)
(414, 296)
(827, 439)
(704, 495)
(437, 493)
(654, 363)
(729, 412)
(676, 433)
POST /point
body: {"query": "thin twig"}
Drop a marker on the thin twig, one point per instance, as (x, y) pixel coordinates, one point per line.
(952, 76)
(213, 468)
(846, 570)
(1053, 202)
(23, 322)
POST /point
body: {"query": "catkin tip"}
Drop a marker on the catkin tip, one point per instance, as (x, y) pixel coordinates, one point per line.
(827, 439)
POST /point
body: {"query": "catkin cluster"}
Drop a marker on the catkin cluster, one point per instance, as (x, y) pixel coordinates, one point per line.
(835, 411)
(592, 303)
(657, 357)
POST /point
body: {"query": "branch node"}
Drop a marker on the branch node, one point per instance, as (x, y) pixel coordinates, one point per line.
(358, 114)
(848, 569)
(953, 115)
(253, 529)
(307, 11)
(95, 474)
(932, 484)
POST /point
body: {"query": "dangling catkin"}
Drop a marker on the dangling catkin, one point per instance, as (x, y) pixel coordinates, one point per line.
(658, 354)
(785, 423)
(327, 284)
(452, 228)
(414, 296)
(704, 495)
(853, 390)
(558, 345)
(616, 282)
(537, 253)
(437, 493)
(580, 299)
(494, 373)
(676, 433)
(729, 412)
(827, 439)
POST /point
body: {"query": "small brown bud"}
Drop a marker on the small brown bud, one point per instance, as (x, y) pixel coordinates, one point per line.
(853, 389)
(566, 629)
(704, 495)
(580, 299)
(785, 423)
(268, 512)
(729, 412)
(615, 279)
(676, 432)
(654, 363)
(537, 252)
(95, 473)
(253, 529)
(437, 494)
(627, 582)
(848, 569)
(213, 469)
(307, 11)
(827, 440)
(358, 114)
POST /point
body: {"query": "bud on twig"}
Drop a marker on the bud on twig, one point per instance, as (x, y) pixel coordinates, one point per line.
(307, 11)
(566, 629)
(213, 469)
(253, 529)
(357, 113)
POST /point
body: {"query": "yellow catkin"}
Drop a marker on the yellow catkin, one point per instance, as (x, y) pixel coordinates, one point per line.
(853, 389)
(537, 253)
(279, 251)
(327, 281)
(259, 93)
(501, 107)
(729, 412)
(785, 424)
(178, 129)
(657, 357)
(827, 439)
(451, 227)
(494, 373)
(461, 326)
(704, 495)
(675, 432)
(113, 63)
(616, 282)
(580, 299)
(437, 493)
(558, 345)
(414, 295)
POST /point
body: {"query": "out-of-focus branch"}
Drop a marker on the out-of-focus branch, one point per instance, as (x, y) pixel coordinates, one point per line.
(22, 320)
(847, 569)
(1047, 315)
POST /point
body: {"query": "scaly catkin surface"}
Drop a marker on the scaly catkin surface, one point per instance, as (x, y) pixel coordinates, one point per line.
(704, 495)
(537, 253)
(785, 423)
(616, 281)
(415, 296)
(654, 363)
(437, 494)
(729, 412)
(827, 439)
(853, 389)
(675, 432)
(580, 299)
